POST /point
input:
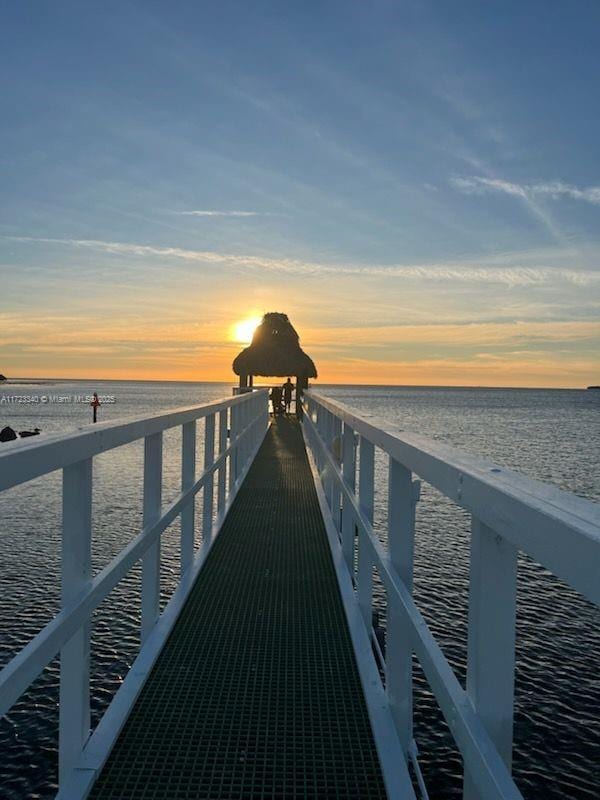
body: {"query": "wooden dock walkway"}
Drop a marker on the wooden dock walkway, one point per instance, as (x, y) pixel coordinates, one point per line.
(256, 693)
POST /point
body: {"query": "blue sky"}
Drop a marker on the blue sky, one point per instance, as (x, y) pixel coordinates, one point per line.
(395, 168)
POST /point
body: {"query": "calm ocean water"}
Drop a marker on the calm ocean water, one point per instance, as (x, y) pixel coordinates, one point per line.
(551, 435)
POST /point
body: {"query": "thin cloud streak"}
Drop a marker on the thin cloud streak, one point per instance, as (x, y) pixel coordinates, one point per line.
(470, 272)
(219, 214)
(552, 189)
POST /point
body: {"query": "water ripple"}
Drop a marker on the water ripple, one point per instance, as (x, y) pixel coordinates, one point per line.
(553, 436)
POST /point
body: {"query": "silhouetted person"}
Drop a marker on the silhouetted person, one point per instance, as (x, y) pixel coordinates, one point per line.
(288, 388)
(276, 394)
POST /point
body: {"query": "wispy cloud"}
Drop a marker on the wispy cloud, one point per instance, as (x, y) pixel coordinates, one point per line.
(552, 189)
(463, 271)
(213, 213)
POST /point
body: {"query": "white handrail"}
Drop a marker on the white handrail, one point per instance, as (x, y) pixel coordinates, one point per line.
(509, 513)
(559, 530)
(244, 421)
(23, 460)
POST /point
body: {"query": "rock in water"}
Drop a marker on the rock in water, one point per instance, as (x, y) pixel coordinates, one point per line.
(7, 434)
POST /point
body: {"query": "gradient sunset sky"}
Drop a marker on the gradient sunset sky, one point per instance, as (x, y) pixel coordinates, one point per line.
(417, 184)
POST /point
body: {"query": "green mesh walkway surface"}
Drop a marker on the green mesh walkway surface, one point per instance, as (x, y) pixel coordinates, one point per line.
(256, 693)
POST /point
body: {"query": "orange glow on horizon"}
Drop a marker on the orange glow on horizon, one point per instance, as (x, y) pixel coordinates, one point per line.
(179, 347)
(352, 372)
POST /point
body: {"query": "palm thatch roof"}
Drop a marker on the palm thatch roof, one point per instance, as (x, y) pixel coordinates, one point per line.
(275, 351)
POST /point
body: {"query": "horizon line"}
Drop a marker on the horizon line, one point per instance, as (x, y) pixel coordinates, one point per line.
(18, 379)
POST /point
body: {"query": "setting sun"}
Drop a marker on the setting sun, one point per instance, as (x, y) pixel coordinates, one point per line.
(243, 331)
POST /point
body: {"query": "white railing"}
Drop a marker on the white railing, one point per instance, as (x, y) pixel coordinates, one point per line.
(238, 424)
(509, 513)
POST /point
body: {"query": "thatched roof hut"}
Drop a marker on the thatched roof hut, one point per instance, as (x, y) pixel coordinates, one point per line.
(275, 351)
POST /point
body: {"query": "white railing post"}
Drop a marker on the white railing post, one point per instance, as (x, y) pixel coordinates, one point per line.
(248, 430)
(240, 412)
(349, 473)
(365, 499)
(239, 450)
(233, 418)
(248, 416)
(188, 474)
(244, 408)
(491, 646)
(152, 509)
(257, 421)
(239, 442)
(76, 569)
(321, 424)
(403, 494)
(336, 452)
(321, 436)
(266, 410)
(328, 438)
(208, 499)
(222, 471)
(253, 413)
(322, 420)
